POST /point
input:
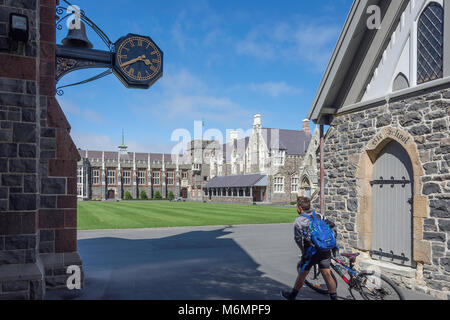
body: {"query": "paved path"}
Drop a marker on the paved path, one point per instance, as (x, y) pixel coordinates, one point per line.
(196, 263)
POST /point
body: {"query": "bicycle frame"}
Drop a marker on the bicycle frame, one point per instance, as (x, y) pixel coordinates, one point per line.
(349, 269)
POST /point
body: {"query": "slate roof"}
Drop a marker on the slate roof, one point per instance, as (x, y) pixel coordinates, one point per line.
(294, 142)
(235, 181)
(111, 155)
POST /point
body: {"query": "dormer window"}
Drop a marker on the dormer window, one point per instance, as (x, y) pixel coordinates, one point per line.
(430, 44)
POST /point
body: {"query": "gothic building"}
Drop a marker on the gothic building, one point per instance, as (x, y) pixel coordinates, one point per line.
(271, 165)
(386, 97)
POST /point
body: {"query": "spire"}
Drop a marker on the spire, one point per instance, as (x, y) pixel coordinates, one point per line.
(123, 148)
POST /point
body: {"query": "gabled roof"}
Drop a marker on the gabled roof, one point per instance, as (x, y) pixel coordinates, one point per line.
(235, 181)
(355, 58)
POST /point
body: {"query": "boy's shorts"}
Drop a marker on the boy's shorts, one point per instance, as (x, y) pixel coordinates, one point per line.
(323, 259)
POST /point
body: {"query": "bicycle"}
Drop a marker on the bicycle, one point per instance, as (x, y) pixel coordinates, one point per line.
(369, 284)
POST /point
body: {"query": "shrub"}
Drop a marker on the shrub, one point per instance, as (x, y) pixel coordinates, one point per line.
(157, 195)
(128, 196)
(143, 195)
(171, 196)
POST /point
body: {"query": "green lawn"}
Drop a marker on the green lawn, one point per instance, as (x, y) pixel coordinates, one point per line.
(156, 214)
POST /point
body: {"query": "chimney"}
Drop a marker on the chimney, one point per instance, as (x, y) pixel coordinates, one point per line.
(257, 121)
(306, 127)
(234, 135)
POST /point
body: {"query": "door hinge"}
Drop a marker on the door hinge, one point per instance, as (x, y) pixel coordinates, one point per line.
(391, 182)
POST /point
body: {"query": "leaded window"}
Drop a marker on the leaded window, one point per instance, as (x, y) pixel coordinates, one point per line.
(170, 178)
(294, 184)
(279, 185)
(111, 176)
(156, 178)
(79, 175)
(142, 177)
(95, 176)
(127, 177)
(430, 44)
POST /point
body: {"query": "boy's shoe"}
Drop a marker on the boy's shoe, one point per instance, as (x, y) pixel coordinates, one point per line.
(287, 295)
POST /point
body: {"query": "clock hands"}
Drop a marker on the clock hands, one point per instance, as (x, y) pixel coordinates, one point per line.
(140, 58)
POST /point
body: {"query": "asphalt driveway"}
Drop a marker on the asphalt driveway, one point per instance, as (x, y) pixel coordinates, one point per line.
(252, 262)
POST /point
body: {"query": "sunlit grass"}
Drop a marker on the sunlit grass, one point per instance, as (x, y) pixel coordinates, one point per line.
(157, 214)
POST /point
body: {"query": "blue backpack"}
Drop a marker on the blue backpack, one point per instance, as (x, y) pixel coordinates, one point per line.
(321, 234)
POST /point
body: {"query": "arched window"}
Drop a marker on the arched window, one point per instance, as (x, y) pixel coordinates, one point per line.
(430, 44)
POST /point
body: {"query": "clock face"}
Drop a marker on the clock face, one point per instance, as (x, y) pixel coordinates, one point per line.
(139, 61)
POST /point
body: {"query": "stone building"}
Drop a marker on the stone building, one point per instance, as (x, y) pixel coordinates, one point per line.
(386, 97)
(38, 160)
(287, 169)
(271, 165)
(109, 175)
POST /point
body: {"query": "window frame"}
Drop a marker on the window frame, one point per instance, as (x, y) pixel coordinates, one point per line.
(154, 178)
(144, 177)
(114, 176)
(98, 170)
(130, 177)
(293, 179)
(417, 44)
(171, 172)
(277, 185)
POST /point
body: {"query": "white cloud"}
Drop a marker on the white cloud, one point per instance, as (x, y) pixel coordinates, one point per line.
(102, 142)
(186, 97)
(274, 89)
(304, 40)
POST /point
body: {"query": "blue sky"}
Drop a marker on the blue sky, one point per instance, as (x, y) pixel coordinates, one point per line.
(224, 61)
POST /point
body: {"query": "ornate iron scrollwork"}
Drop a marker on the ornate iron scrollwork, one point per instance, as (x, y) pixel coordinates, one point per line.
(72, 59)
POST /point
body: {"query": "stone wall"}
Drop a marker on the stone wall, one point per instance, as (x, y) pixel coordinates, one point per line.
(37, 161)
(19, 157)
(425, 119)
(291, 167)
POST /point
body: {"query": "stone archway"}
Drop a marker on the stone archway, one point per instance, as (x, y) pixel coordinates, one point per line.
(421, 248)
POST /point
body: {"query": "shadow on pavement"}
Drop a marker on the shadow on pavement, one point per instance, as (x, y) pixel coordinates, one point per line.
(197, 265)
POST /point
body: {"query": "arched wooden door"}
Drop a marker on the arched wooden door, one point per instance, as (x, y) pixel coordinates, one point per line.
(392, 191)
(111, 194)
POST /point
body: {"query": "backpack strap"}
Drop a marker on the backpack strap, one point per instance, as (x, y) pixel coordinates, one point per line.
(314, 216)
(309, 255)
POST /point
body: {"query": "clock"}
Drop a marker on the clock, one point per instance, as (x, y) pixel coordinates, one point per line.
(138, 61)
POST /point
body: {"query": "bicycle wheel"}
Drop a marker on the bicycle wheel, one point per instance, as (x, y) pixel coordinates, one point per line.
(375, 286)
(315, 281)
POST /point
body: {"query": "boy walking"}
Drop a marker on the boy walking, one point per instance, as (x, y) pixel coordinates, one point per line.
(303, 240)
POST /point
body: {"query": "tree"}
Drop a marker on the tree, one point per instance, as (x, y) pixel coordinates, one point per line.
(128, 195)
(157, 195)
(143, 195)
(171, 196)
